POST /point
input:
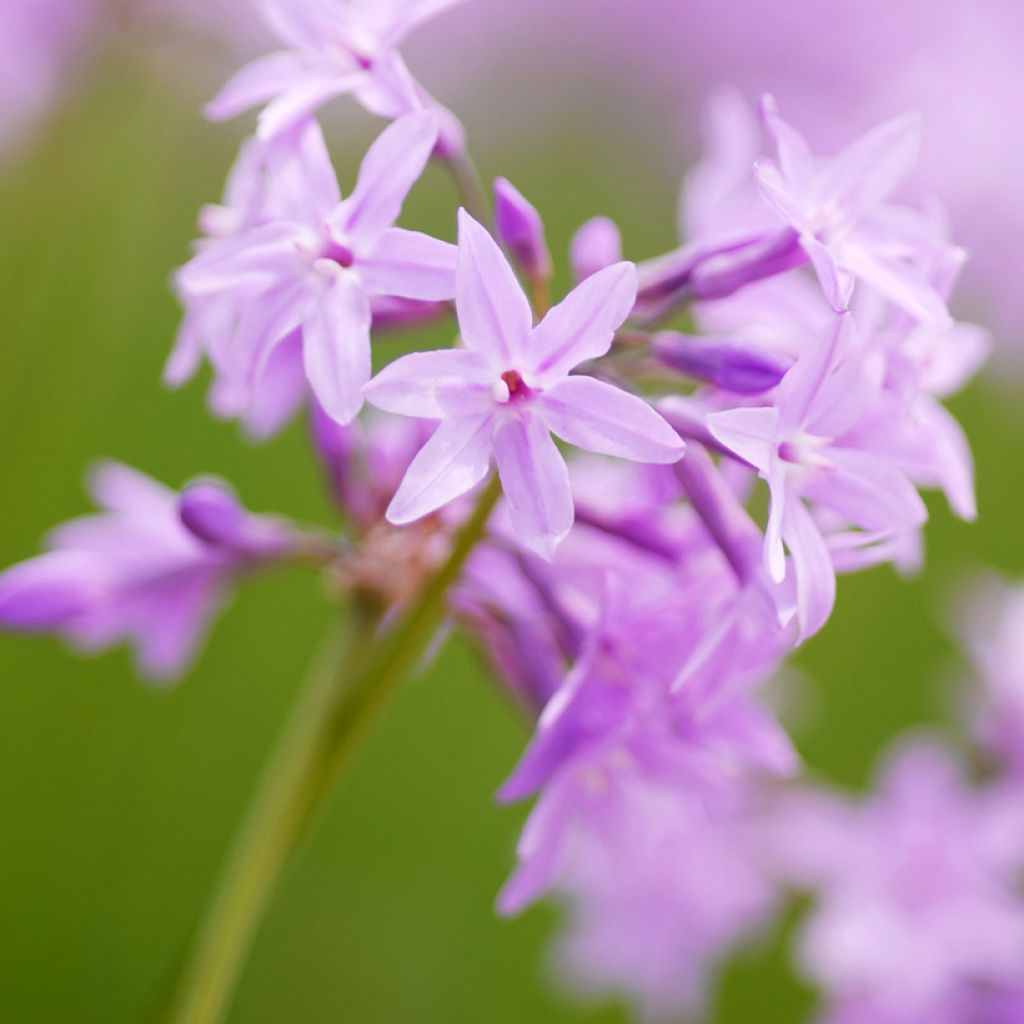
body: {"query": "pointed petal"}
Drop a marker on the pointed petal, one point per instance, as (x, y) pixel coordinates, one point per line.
(278, 388)
(410, 265)
(304, 24)
(252, 260)
(336, 347)
(836, 282)
(750, 433)
(801, 385)
(535, 480)
(434, 385)
(815, 577)
(391, 167)
(865, 172)
(778, 192)
(583, 324)
(601, 418)
(795, 159)
(452, 462)
(494, 316)
(303, 98)
(779, 500)
(259, 81)
(408, 14)
(49, 591)
(898, 281)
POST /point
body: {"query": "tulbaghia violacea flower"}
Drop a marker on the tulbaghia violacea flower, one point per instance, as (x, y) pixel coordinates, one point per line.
(333, 47)
(153, 568)
(839, 209)
(798, 445)
(918, 907)
(292, 295)
(642, 820)
(510, 388)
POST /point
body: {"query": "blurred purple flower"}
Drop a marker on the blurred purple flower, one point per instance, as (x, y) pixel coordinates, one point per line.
(152, 568)
(334, 47)
(918, 904)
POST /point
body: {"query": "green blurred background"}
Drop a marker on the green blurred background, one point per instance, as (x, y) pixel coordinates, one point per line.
(118, 801)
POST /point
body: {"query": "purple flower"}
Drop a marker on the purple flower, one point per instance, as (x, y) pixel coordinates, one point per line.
(642, 822)
(839, 209)
(151, 568)
(797, 445)
(288, 298)
(510, 388)
(918, 902)
(333, 47)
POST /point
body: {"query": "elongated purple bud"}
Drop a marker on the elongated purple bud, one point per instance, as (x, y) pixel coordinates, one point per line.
(733, 365)
(210, 512)
(596, 245)
(521, 231)
(706, 272)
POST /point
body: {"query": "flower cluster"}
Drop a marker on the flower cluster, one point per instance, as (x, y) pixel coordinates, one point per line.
(791, 355)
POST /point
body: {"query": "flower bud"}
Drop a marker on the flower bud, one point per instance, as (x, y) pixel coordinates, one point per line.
(521, 231)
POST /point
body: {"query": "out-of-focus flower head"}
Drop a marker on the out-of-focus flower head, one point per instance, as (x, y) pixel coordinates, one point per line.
(918, 907)
(153, 568)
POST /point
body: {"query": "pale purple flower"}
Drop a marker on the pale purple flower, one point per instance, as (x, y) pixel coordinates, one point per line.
(798, 446)
(333, 47)
(641, 822)
(839, 208)
(288, 299)
(918, 904)
(510, 388)
(152, 568)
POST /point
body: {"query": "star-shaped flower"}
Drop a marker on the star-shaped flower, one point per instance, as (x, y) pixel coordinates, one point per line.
(294, 290)
(846, 226)
(510, 388)
(333, 47)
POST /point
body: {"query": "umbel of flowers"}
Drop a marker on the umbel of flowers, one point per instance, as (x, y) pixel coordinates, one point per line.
(618, 582)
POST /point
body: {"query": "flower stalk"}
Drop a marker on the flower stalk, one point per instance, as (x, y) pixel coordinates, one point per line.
(349, 683)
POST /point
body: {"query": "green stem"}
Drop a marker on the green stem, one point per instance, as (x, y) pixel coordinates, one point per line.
(337, 703)
(469, 187)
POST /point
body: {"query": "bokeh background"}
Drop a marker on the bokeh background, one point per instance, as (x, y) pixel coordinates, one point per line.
(118, 801)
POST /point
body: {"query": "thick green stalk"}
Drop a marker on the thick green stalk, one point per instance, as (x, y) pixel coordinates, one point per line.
(350, 681)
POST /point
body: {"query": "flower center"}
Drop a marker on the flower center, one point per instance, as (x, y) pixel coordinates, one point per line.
(518, 390)
(337, 253)
(806, 450)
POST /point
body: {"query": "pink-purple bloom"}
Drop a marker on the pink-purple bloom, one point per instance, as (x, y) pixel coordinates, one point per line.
(286, 299)
(152, 568)
(333, 47)
(510, 388)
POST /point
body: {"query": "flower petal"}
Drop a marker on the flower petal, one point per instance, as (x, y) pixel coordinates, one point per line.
(750, 433)
(391, 167)
(494, 316)
(864, 173)
(411, 265)
(434, 385)
(583, 324)
(303, 98)
(535, 480)
(452, 462)
(795, 159)
(601, 418)
(815, 577)
(900, 282)
(800, 387)
(336, 347)
(257, 82)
